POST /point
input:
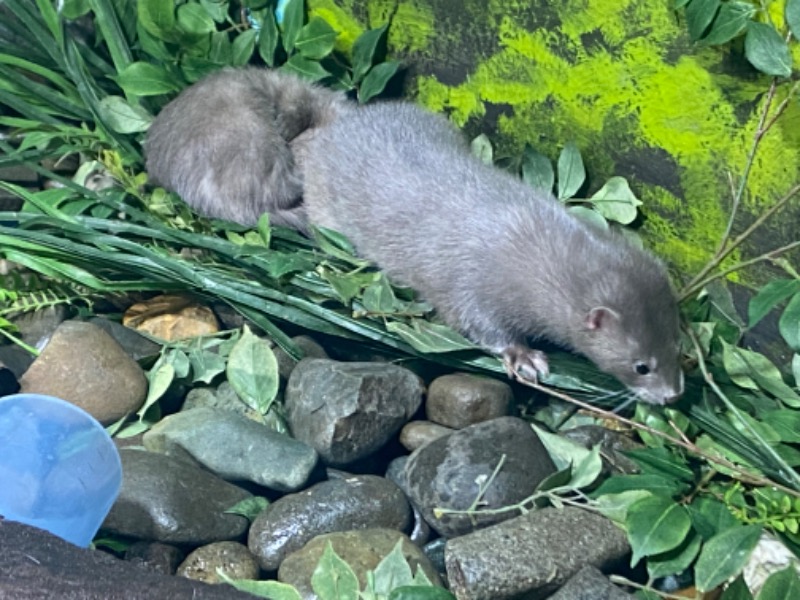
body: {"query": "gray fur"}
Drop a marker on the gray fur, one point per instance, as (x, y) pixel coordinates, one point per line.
(499, 261)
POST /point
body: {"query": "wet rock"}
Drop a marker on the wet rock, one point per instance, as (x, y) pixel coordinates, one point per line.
(435, 552)
(358, 502)
(418, 433)
(36, 565)
(37, 327)
(531, 555)
(234, 447)
(231, 558)
(82, 364)
(449, 472)
(362, 550)
(155, 556)
(460, 399)
(347, 411)
(135, 344)
(166, 499)
(15, 359)
(310, 348)
(420, 531)
(590, 584)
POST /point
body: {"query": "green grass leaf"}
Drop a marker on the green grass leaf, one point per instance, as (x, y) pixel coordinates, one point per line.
(428, 337)
(724, 556)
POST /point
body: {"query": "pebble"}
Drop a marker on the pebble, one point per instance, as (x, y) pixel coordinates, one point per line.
(224, 398)
(84, 365)
(448, 473)
(35, 328)
(531, 555)
(234, 447)
(170, 500)
(461, 399)
(310, 348)
(231, 558)
(135, 344)
(356, 502)
(347, 411)
(418, 433)
(155, 556)
(590, 584)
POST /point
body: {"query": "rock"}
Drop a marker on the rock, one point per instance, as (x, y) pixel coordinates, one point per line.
(171, 317)
(82, 364)
(8, 381)
(15, 359)
(590, 584)
(358, 502)
(460, 399)
(155, 556)
(531, 555)
(421, 531)
(224, 398)
(418, 433)
(36, 565)
(37, 327)
(231, 558)
(362, 550)
(449, 473)
(135, 344)
(347, 411)
(310, 348)
(166, 499)
(234, 448)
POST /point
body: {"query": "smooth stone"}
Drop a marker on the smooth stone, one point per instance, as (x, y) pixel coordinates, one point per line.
(448, 473)
(418, 433)
(395, 472)
(532, 555)
(35, 328)
(8, 381)
(134, 343)
(36, 565)
(310, 348)
(590, 584)
(170, 500)
(461, 399)
(223, 398)
(234, 448)
(155, 556)
(347, 411)
(84, 365)
(231, 558)
(15, 359)
(362, 550)
(356, 502)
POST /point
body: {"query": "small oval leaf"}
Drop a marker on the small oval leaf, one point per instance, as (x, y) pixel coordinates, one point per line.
(767, 51)
(724, 555)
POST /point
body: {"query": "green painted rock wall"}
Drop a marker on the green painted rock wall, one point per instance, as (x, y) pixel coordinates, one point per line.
(618, 77)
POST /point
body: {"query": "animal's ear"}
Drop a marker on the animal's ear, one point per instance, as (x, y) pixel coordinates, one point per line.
(600, 317)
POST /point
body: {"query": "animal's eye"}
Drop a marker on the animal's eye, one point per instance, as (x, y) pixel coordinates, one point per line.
(641, 368)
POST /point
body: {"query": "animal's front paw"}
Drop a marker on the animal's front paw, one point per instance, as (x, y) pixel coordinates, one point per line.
(525, 364)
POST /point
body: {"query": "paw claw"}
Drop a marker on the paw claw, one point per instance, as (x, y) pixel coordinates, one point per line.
(525, 364)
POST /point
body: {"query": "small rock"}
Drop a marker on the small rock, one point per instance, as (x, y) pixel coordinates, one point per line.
(449, 472)
(223, 398)
(310, 348)
(418, 433)
(82, 364)
(357, 502)
(37, 327)
(234, 448)
(347, 411)
(155, 556)
(460, 399)
(171, 317)
(362, 550)
(421, 531)
(231, 558)
(135, 344)
(166, 499)
(590, 584)
(531, 555)
(36, 565)
(8, 381)
(15, 359)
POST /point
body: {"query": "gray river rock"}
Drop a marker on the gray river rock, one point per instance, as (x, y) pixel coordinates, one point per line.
(458, 400)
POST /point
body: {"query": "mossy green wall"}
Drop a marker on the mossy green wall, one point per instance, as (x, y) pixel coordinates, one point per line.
(616, 76)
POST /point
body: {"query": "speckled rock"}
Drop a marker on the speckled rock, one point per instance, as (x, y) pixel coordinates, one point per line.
(234, 447)
(531, 555)
(308, 345)
(461, 399)
(223, 397)
(167, 499)
(362, 550)
(590, 584)
(418, 433)
(231, 558)
(347, 411)
(447, 473)
(357, 502)
(82, 364)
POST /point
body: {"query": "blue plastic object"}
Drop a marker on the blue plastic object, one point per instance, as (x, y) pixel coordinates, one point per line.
(59, 469)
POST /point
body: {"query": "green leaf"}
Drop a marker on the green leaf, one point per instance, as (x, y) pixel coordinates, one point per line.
(72, 9)
(416, 592)
(792, 14)
(316, 39)
(789, 323)
(272, 590)
(481, 148)
(537, 170)
(710, 517)
(194, 20)
(158, 18)
(249, 508)
(616, 202)
(293, 13)
(159, 378)
(253, 372)
(376, 80)
(308, 69)
(243, 46)
(333, 579)
(724, 556)
(571, 173)
(699, 14)
(122, 117)
(751, 370)
(732, 20)
(737, 590)
(206, 365)
(655, 525)
(589, 216)
(768, 297)
(216, 9)
(378, 298)
(675, 561)
(268, 37)
(145, 79)
(783, 585)
(767, 51)
(615, 506)
(364, 49)
(660, 461)
(393, 571)
(653, 483)
(786, 423)
(428, 337)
